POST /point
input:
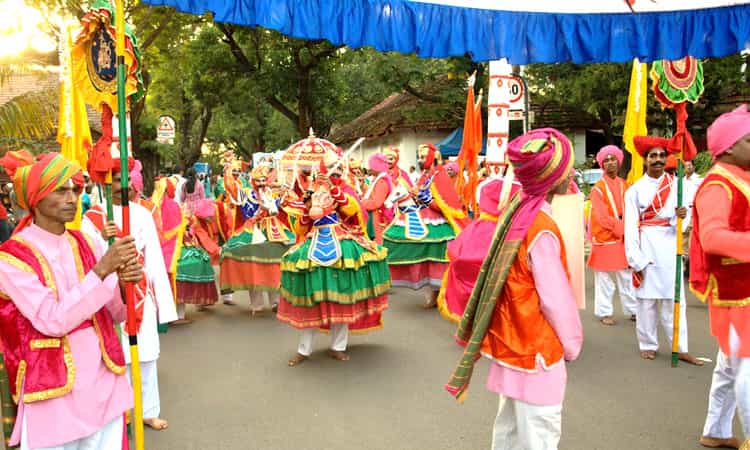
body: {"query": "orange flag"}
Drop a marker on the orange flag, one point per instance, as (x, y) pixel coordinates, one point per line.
(468, 141)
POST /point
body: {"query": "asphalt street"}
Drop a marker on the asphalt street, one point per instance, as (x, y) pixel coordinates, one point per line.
(225, 384)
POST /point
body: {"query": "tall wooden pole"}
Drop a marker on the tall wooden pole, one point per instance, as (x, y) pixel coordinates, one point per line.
(135, 366)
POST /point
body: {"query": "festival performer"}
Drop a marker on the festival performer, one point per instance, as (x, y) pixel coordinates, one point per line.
(650, 236)
(228, 201)
(172, 225)
(429, 216)
(196, 284)
(523, 314)
(467, 252)
(398, 175)
(153, 293)
(607, 245)
(251, 258)
(378, 216)
(59, 298)
(720, 255)
(335, 278)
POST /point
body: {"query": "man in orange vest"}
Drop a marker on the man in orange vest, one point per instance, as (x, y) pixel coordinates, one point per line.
(525, 317)
(720, 264)
(607, 245)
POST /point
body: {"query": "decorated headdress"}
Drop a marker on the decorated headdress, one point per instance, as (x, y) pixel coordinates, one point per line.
(392, 151)
(260, 171)
(33, 182)
(430, 152)
(606, 151)
(727, 129)
(542, 159)
(355, 163)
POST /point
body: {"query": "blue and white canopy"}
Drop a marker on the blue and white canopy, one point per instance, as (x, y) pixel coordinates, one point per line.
(523, 31)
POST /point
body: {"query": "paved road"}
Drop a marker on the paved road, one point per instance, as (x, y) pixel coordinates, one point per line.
(225, 385)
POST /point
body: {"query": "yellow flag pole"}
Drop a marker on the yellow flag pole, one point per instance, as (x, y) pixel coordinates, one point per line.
(135, 366)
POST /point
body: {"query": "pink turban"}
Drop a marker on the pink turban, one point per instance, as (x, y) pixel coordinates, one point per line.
(453, 165)
(136, 179)
(204, 208)
(727, 129)
(606, 151)
(378, 162)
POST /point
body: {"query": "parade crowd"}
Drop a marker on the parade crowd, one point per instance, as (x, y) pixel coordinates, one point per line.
(320, 239)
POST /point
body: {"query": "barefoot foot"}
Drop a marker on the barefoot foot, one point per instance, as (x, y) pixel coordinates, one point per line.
(156, 423)
(297, 359)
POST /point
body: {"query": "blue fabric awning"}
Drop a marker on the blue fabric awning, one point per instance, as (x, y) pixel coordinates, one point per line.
(583, 31)
(451, 145)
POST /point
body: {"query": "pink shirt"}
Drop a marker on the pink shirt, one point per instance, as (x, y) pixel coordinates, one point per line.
(98, 395)
(546, 386)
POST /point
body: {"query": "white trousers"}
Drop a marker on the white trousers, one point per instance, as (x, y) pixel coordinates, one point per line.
(109, 437)
(149, 389)
(181, 311)
(604, 292)
(650, 314)
(339, 339)
(260, 300)
(523, 426)
(730, 391)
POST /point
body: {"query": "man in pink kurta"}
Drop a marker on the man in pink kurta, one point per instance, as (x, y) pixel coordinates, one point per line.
(607, 257)
(72, 308)
(720, 263)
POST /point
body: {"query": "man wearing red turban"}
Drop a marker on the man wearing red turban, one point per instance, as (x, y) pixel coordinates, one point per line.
(720, 263)
(651, 214)
(60, 298)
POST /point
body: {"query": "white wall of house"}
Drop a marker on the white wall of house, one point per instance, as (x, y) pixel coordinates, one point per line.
(579, 145)
(407, 141)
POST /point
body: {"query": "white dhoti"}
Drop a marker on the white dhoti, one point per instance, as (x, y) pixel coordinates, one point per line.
(523, 426)
(339, 339)
(149, 389)
(652, 312)
(109, 437)
(604, 292)
(260, 300)
(730, 391)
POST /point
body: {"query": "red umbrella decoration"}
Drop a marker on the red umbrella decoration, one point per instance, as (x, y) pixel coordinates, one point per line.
(675, 83)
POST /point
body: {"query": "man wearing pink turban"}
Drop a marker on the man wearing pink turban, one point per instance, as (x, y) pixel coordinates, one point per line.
(720, 263)
(379, 216)
(607, 245)
(523, 314)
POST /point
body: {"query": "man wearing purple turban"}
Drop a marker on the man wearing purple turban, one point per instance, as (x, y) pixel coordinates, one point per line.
(522, 315)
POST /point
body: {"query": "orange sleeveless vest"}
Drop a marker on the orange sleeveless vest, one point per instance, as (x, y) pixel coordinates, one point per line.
(518, 331)
(727, 278)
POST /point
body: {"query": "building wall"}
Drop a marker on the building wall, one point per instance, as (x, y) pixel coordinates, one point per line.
(578, 138)
(407, 141)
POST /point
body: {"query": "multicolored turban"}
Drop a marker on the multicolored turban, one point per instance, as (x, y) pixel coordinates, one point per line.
(33, 182)
(727, 129)
(608, 150)
(542, 159)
